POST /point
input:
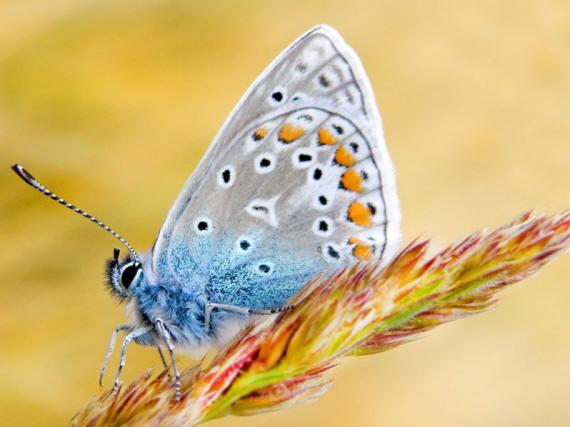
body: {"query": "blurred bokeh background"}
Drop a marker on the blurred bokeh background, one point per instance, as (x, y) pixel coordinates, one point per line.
(113, 104)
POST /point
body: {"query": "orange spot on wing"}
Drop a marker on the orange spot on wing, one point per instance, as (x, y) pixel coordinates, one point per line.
(359, 214)
(355, 241)
(290, 133)
(362, 252)
(326, 138)
(351, 181)
(260, 133)
(344, 157)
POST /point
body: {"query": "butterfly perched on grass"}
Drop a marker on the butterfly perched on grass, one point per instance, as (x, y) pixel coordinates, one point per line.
(298, 182)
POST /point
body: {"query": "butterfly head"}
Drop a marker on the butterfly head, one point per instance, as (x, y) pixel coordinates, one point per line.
(122, 275)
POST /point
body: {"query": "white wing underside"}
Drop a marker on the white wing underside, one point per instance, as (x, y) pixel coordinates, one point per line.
(300, 166)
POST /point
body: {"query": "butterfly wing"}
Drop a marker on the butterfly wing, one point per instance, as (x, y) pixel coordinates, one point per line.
(297, 181)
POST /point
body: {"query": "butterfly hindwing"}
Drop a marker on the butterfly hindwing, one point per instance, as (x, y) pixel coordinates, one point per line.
(298, 181)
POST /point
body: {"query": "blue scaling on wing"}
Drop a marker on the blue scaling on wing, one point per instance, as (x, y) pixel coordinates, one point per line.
(262, 281)
(297, 182)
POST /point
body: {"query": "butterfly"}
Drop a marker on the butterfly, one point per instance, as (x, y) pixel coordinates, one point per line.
(298, 182)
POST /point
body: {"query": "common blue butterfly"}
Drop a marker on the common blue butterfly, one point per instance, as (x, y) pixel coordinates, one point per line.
(298, 182)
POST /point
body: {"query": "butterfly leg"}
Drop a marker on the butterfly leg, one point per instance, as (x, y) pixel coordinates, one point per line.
(162, 358)
(165, 335)
(242, 310)
(110, 349)
(136, 333)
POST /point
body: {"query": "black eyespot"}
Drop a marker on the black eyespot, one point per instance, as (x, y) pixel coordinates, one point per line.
(372, 208)
(226, 175)
(324, 81)
(264, 268)
(323, 226)
(258, 208)
(338, 129)
(128, 274)
(202, 225)
(323, 200)
(301, 68)
(265, 163)
(277, 96)
(244, 244)
(364, 175)
(349, 97)
(305, 117)
(354, 146)
(305, 157)
(333, 253)
(317, 174)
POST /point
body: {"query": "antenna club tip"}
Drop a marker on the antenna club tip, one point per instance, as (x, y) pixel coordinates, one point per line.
(23, 173)
(29, 179)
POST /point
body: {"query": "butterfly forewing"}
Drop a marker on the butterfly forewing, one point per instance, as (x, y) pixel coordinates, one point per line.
(297, 182)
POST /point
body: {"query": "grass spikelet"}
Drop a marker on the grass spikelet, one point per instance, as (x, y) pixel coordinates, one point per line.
(359, 310)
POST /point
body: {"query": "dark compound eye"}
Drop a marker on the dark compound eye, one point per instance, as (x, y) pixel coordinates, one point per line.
(129, 273)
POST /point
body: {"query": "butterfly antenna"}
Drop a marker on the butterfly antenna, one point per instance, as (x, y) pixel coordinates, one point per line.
(30, 180)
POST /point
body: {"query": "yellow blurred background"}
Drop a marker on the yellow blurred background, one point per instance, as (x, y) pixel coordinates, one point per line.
(112, 104)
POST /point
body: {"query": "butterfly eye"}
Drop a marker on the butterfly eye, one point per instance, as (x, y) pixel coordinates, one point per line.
(128, 273)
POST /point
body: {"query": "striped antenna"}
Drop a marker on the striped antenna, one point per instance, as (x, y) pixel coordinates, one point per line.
(30, 180)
